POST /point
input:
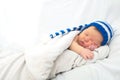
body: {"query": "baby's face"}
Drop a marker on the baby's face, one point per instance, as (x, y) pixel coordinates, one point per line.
(90, 37)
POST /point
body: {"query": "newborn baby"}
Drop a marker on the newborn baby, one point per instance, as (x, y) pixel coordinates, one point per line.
(90, 45)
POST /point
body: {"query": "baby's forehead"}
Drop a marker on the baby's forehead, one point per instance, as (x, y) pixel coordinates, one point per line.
(92, 28)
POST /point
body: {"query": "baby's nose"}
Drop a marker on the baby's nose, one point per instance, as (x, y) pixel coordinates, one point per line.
(90, 42)
(87, 39)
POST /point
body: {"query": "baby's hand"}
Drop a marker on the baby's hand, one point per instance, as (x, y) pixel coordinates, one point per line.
(87, 54)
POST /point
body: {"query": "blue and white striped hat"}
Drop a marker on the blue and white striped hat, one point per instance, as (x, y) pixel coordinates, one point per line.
(66, 31)
(103, 27)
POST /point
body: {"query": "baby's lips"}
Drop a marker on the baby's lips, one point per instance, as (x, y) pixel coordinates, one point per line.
(92, 47)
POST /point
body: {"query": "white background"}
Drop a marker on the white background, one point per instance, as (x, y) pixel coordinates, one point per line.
(19, 22)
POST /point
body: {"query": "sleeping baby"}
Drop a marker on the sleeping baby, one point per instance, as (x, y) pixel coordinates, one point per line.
(88, 46)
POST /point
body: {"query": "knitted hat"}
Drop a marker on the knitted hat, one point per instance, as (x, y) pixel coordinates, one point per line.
(103, 27)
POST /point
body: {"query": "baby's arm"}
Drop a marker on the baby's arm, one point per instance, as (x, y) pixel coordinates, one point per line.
(84, 52)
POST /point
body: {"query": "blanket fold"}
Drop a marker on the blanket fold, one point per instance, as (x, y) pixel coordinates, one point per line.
(40, 59)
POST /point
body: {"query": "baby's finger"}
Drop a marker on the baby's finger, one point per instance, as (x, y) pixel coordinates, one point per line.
(90, 56)
(85, 57)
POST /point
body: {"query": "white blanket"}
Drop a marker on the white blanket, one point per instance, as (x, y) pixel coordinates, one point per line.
(38, 62)
(69, 60)
(40, 58)
(34, 63)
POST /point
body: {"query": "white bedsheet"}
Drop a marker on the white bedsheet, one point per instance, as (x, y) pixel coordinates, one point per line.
(69, 60)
